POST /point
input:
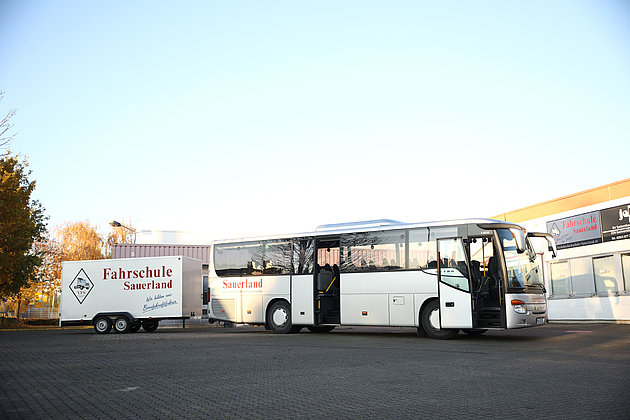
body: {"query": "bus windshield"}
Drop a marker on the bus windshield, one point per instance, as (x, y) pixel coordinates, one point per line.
(523, 270)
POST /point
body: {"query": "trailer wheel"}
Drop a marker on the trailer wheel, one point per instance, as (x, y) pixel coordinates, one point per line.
(102, 325)
(430, 320)
(122, 324)
(279, 318)
(150, 325)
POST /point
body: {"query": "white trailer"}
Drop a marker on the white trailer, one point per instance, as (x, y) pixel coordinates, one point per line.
(130, 293)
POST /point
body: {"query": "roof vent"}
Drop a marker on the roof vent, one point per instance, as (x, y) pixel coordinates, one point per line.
(351, 225)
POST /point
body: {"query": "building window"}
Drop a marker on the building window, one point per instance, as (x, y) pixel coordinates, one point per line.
(605, 275)
(560, 278)
(625, 263)
(581, 270)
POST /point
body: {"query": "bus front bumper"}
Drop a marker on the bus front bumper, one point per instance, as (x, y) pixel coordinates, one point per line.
(525, 310)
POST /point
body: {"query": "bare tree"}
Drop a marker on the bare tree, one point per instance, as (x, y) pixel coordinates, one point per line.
(4, 127)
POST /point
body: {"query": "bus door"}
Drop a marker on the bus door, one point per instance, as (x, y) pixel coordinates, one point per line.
(453, 285)
(327, 281)
(302, 312)
(487, 284)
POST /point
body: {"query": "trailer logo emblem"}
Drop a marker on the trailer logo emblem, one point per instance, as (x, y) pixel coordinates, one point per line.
(81, 286)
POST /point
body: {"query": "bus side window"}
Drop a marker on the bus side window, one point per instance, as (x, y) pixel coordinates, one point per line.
(422, 251)
(277, 259)
(373, 251)
(303, 254)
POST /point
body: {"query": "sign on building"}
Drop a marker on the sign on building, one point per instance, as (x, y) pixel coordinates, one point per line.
(579, 230)
(616, 223)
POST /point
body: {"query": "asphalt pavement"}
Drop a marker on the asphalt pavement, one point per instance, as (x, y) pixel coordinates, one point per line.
(555, 371)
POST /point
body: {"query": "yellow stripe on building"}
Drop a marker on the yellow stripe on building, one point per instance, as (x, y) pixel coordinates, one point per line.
(596, 195)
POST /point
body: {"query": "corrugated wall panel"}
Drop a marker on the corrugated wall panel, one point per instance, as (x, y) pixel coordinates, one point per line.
(199, 252)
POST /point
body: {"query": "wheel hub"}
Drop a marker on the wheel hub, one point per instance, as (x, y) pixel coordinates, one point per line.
(434, 319)
(280, 317)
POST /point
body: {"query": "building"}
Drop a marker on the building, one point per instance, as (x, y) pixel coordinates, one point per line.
(589, 280)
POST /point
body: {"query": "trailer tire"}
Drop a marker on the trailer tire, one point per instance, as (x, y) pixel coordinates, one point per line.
(150, 325)
(102, 325)
(279, 318)
(431, 324)
(122, 324)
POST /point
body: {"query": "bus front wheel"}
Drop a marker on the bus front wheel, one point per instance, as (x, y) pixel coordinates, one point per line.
(430, 320)
(280, 318)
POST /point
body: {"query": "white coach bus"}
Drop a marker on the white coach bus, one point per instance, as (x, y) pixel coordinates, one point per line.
(470, 275)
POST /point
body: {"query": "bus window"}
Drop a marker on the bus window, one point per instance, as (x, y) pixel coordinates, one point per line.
(453, 268)
(481, 249)
(422, 251)
(303, 253)
(234, 260)
(373, 251)
(277, 257)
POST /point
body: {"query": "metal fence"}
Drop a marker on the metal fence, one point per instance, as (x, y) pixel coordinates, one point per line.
(40, 313)
(30, 312)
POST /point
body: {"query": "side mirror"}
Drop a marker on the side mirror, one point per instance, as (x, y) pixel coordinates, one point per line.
(550, 241)
(519, 237)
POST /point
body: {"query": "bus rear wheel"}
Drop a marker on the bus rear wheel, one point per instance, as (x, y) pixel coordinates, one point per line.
(279, 318)
(430, 320)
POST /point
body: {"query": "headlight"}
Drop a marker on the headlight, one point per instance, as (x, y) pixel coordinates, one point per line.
(519, 306)
(520, 309)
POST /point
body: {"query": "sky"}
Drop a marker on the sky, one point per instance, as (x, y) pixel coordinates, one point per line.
(242, 118)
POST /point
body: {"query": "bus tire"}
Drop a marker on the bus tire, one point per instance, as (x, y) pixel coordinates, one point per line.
(474, 332)
(430, 322)
(150, 325)
(102, 325)
(121, 325)
(320, 328)
(280, 317)
(135, 327)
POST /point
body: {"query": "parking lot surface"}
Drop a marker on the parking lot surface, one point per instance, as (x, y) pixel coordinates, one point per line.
(556, 371)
